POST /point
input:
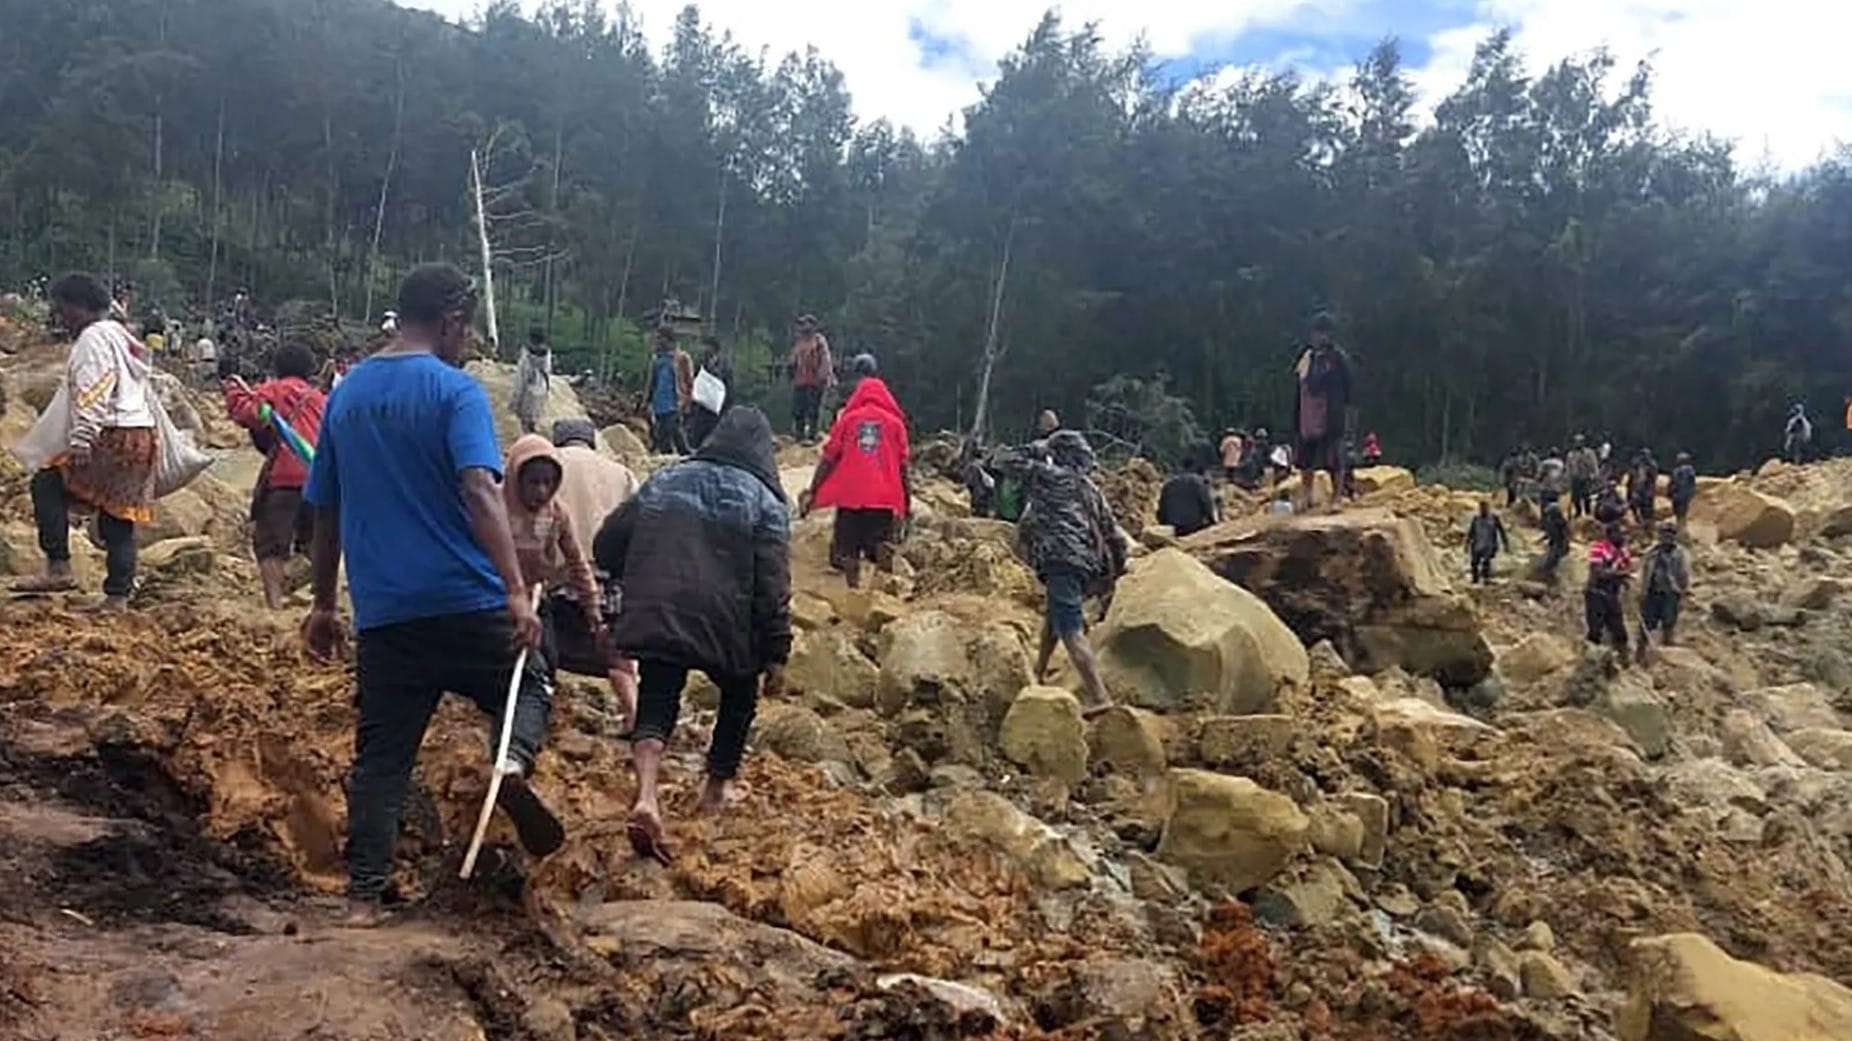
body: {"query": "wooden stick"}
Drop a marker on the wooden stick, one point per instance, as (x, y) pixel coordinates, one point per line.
(501, 756)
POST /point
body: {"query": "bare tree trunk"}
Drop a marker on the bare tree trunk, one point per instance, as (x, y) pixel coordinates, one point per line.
(991, 348)
(218, 188)
(160, 128)
(334, 295)
(488, 269)
(623, 295)
(385, 186)
(720, 230)
(550, 290)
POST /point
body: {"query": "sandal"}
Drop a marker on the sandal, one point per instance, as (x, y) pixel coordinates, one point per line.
(39, 584)
(645, 834)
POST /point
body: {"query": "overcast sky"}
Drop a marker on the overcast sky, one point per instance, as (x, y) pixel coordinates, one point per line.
(1770, 74)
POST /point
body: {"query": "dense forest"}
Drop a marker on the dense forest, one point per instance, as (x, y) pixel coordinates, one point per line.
(1538, 257)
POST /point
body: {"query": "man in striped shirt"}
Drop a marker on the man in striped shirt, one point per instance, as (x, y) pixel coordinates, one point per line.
(1610, 568)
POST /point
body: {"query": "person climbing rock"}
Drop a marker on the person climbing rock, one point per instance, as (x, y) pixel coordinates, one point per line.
(1187, 502)
(671, 382)
(1610, 568)
(1682, 489)
(533, 376)
(405, 481)
(1584, 468)
(1643, 487)
(1665, 580)
(813, 372)
(281, 523)
(703, 554)
(1485, 536)
(974, 473)
(1074, 546)
(591, 488)
(105, 452)
(1320, 411)
(863, 474)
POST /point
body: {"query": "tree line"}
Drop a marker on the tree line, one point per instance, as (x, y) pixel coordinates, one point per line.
(1539, 257)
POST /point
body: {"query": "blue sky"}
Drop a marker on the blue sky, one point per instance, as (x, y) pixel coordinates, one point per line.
(1765, 73)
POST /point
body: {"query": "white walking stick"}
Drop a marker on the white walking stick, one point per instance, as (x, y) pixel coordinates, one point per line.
(501, 758)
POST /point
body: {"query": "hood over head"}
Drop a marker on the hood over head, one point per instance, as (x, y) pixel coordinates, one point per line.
(872, 390)
(743, 440)
(526, 449)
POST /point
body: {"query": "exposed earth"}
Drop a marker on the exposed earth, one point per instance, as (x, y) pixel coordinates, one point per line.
(1349, 797)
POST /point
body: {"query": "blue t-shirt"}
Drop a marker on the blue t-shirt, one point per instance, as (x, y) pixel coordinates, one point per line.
(663, 398)
(397, 435)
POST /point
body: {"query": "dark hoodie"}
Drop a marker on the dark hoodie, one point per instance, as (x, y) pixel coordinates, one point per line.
(702, 554)
(868, 453)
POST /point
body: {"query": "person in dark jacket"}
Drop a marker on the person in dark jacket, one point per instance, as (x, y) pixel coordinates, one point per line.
(1484, 537)
(702, 553)
(1074, 546)
(1642, 486)
(1664, 582)
(1683, 487)
(1584, 470)
(1610, 508)
(714, 362)
(1187, 503)
(1321, 410)
(1555, 540)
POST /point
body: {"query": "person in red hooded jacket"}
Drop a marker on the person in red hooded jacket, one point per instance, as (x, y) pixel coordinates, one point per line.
(863, 473)
(280, 523)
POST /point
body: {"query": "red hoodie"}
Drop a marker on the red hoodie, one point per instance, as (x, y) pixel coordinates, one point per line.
(868, 448)
(299, 403)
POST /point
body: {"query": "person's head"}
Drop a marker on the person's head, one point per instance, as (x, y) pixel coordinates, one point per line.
(1668, 533)
(1797, 408)
(437, 304)
(155, 327)
(1485, 507)
(1231, 432)
(293, 359)
(1615, 535)
(1683, 459)
(79, 299)
(536, 336)
(1323, 326)
(1261, 435)
(537, 472)
(806, 326)
(575, 430)
(1070, 450)
(1047, 423)
(710, 346)
(665, 339)
(1579, 440)
(864, 366)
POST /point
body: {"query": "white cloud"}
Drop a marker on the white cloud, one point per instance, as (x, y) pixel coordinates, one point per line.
(1767, 73)
(1770, 74)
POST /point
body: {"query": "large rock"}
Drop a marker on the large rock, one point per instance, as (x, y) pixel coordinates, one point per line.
(827, 666)
(1032, 845)
(1684, 988)
(1422, 732)
(1795, 706)
(1179, 635)
(1538, 656)
(1130, 741)
(1367, 580)
(796, 733)
(1747, 741)
(1836, 522)
(1641, 713)
(623, 442)
(1822, 747)
(1743, 515)
(1372, 479)
(685, 939)
(180, 515)
(1229, 830)
(1044, 734)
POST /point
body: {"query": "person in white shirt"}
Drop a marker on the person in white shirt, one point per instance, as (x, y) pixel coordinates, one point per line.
(108, 463)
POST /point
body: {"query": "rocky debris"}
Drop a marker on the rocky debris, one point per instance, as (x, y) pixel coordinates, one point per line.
(1825, 748)
(1314, 894)
(1683, 987)
(1034, 847)
(1422, 733)
(1131, 490)
(1743, 515)
(798, 734)
(624, 443)
(1793, 706)
(498, 379)
(178, 515)
(1130, 742)
(1365, 579)
(1812, 594)
(1228, 830)
(1177, 635)
(1632, 703)
(1123, 998)
(1241, 743)
(827, 666)
(1044, 734)
(1536, 657)
(1545, 977)
(1747, 741)
(1370, 480)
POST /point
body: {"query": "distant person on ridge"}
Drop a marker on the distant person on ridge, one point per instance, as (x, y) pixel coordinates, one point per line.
(863, 474)
(1797, 436)
(703, 554)
(1231, 447)
(1683, 487)
(1643, 487)
(1074, 546)
(1485, 536)
(533, 375)
(1584, 472)
(1664, 582)
(407, 481)
(1610, 568)
(671, 381)
(1372, 450)
(1320, 411)
(813, 371)
(281, 523)
(1555, 540)
(1187, 503)
(1552, 477)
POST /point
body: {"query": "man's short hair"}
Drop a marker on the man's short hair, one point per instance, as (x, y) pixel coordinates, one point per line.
(575, 429)
(1322, 322)
(536, 335)
(82, 290)
(431, 291)
(294, 359)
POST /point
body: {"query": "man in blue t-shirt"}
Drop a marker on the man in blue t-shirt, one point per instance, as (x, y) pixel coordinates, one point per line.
(406, 480)
(671, 378)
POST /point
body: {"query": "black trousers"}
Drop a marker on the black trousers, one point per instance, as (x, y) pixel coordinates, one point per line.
(1581, 495)
(700, 423)
(806, 407)
(1482, 565)
(51, 513)
(404, 670)
(666, 435)
(1606, 622)
(659, 706)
